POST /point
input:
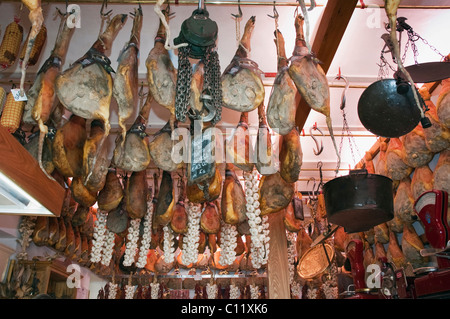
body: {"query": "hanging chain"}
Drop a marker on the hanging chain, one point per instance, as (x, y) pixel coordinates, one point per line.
(183, 89)
(212, 83)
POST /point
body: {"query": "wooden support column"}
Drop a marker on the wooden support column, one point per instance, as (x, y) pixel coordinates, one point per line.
(334, 21)
(333, 24)
(277, 265)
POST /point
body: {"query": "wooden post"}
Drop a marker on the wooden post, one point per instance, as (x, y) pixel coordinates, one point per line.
(277, 266)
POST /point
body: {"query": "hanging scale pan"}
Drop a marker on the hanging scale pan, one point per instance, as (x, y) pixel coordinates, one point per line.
(429, 72)
(385, 112)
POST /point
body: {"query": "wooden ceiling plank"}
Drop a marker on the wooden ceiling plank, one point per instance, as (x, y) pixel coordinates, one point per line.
(332, 26)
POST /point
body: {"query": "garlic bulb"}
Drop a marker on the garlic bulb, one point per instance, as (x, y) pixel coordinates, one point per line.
(296, 289)
(146, 237)
(228, 243)
(192, 237)
(169, 250)
(234, 292)
(132, 239)
(259, 227)
(112, 291)
(254, 292)
(154, 286)
(129, 291)
(211, 290)
(99, 236)
(108, 248)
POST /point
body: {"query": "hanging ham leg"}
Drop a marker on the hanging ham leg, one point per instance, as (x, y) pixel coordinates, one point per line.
(242, 87)
(85, 89)
(239, 149)
(125, 90)
(37, 19)
(233, 203)
(310, 79)
(136, 195)
(42, 95)
(264, 152)
(134, 154)
(443, 103)
(284, 97)
(161, 74)
(291, 156)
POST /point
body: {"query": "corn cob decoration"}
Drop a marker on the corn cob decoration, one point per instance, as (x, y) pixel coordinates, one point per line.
(2, 98)
(10, 46)
(12, 113)
(37, 47)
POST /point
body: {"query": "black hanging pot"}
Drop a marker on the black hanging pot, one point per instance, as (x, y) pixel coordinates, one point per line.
(387, 108)
(359, 201)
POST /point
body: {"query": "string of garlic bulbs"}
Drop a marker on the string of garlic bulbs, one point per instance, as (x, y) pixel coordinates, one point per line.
(131, 245)
(99, 237)
(259, 227)
(254, 291)
(154, 286)
(129, 291)
(234, 292)
(146, 237)
(108, 248)
(211, 290)
(192, 237)
(168, 249)
(112, 291)
(228, 244)
(295, 286)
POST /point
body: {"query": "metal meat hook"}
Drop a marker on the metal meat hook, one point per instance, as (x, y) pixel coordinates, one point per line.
(347, 84)
(275, 12)
(319, 149)
(239, 15)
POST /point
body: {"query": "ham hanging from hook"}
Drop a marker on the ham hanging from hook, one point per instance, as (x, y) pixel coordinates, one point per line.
(242, 87)
(310, 79)
(125, 90)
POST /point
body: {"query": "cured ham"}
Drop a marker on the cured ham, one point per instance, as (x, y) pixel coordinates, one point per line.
(210, 219)
(394, 252)
(163, 213)
(125, 89)
(274, 193)
(291, 156)
(95, 169)
(81, 194)
(441, 174)
(197, 195)
(42, 96)
(443, 103)
(291, 223)
(404, 202)
(411, 246)
(380, 167)
(242, 87)
(422, 181)
(437, 137)
(233, 202)
(179, 220)
(284, 98)
(68, 147)
(36, 19)
(161, 149)
(134, 154)
(47, 154)
(161, 74)
(111, 194)
(239, 149)
(310, 79)
(85, 88)
(396, 168)
(136, 195)
(265, 159)
(416, 152)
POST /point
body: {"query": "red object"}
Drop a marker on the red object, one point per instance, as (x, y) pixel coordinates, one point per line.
(270, 74)
(355, 255)
(363, 5)
(433, 285)
(432, 209)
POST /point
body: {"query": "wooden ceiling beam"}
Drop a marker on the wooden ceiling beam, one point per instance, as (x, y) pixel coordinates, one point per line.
(332, 26)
